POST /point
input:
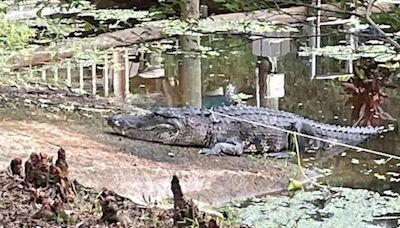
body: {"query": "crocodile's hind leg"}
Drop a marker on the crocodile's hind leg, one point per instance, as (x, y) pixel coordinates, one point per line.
(302, 141)
(230, 147)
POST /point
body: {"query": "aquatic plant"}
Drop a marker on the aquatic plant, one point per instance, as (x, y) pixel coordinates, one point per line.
(367, 95)
(327, 207)
(14, 35)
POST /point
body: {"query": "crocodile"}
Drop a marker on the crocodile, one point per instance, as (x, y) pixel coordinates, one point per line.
(230, 130)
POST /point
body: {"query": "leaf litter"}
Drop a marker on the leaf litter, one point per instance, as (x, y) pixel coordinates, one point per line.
(39, 193)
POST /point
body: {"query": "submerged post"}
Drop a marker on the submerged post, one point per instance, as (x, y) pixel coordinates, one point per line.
(106, 89)
(44, 75)
(55, 74)
(190, 71)
(94, 81)
(81, 75)
(69, 78)
(313, 44)
(264, 77)
(126, 79)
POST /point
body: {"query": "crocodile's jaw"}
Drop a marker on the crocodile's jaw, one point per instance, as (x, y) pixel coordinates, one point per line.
(143, 128)
(157, 129)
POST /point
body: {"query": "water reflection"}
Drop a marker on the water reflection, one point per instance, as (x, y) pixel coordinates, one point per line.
(322, 100)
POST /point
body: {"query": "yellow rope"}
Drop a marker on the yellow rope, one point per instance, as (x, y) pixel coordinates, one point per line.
(359, 149)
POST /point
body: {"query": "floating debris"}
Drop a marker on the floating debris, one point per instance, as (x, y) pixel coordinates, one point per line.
(380, 176)
(355, 161)
(392, 179)
(380, 161)
(393, 174)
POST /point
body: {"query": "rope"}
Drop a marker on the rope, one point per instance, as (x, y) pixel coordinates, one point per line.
(359, 149)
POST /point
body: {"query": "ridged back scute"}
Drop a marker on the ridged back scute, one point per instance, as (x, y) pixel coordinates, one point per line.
(174, 112)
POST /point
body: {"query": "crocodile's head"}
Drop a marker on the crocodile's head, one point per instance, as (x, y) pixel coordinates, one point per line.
(167, 128)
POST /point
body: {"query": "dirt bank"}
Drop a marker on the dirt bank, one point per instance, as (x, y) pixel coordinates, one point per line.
(132, 168)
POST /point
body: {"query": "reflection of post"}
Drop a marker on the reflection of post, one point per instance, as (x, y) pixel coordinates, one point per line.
(190, 71)
(313, 44)
(265, 69)
(350, 66)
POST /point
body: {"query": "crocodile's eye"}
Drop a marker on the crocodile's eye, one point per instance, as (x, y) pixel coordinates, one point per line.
(117, 122)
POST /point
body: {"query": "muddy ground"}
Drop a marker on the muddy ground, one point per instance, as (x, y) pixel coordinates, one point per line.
(33, 121)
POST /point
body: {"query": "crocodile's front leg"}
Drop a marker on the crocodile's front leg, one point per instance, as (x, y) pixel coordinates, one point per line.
(230, 147)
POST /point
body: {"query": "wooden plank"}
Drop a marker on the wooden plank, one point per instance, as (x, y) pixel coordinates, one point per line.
(104, 41)
(299, 13)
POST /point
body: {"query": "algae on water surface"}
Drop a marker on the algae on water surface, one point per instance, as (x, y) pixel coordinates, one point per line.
(339, 207)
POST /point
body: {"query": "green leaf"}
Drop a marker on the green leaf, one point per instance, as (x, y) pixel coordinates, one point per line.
(343, 78)
(360, 73)
(294, 185)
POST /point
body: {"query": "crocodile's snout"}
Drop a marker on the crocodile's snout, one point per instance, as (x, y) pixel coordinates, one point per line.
(115, 121)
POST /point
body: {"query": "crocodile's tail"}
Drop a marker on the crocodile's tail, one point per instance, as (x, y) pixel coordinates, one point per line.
(346, 133)
(334, 133)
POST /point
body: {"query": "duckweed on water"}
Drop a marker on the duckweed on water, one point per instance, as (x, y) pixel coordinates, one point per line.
(339, 207)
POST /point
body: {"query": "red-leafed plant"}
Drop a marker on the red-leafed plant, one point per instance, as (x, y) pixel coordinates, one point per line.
(367, 96)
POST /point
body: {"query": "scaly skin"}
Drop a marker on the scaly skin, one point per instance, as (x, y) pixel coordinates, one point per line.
(223, 135)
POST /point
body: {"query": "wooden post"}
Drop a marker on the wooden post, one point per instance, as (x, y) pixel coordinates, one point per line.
(44, 75)
(265, 69)
(318, 25)
(106, 89)
(190, 71)
(258, 94)
(55, 74)
(126, 65)
(118, 76)
(81, 86)
(94, 75)
(204, 11)
(69, 79)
